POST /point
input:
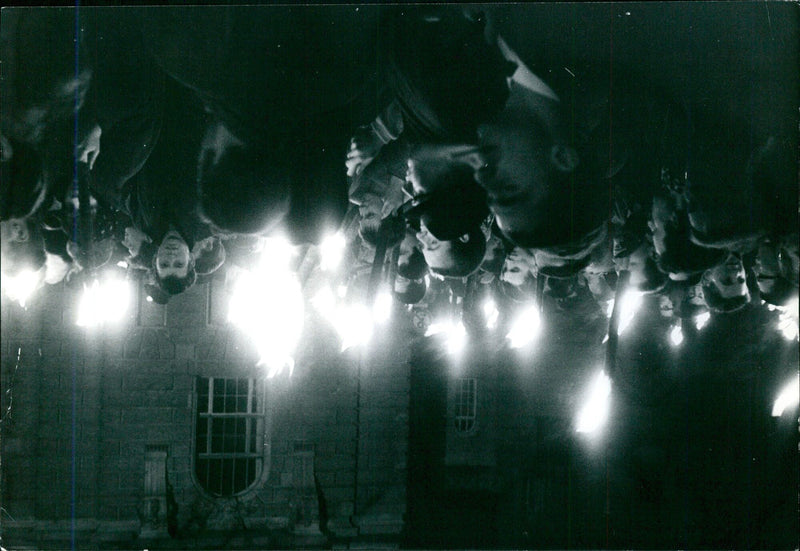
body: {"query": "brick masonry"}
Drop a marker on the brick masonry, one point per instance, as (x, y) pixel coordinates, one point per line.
(88, 402)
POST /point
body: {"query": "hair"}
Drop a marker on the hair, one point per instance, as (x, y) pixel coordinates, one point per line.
(683, 256)
(30, 254)
(457, 205)
(391, 228)
(414, 293)
(415, 268)
(466, 256)
(655, 280)
(174, 285)
(722, 305)
(782, 292)
(519, 293)
(210, 260)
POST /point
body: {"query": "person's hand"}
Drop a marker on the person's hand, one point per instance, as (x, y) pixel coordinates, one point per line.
(133, 240)
(364, 146)
(90, 147)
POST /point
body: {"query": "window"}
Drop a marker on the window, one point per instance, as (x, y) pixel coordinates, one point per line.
(466, 404)
(229, 434)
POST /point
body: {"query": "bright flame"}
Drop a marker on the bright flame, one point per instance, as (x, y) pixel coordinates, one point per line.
(105, 301)
(456, 338)
(276, 253)
(676, 335)
(455, 334)
(788, 398)
(354, 325)
(631, 300)
(269, 309)
(525, 328)
(21, 286)
(701, 320)
(325, 303)
(788, 320)
(331, 251)
(595, 410)
(382, 308)
(437, 327)
(491, 312)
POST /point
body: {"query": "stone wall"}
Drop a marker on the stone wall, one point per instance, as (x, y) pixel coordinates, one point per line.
(87, 406)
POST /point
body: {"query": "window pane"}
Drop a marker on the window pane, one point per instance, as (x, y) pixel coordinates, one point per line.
(202, 394)
(227, 432)
(202, 435)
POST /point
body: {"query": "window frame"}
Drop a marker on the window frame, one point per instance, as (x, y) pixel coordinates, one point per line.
(261, 445)
(465, 400)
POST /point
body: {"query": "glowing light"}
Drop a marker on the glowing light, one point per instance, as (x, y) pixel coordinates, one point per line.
(382, 308)
(437, 327)
(122, 264)
(269, 309)
(676, 335)
(103, 302)
(21, 286)
(491, 312)
(788, 320)
(788, 397)
(331, 251)
(631, 301)
(325, 303)
(594, 412)
(525, 328)
(454, 332)
(276, 253)
(456, 338)
(354, 325)
(701, 320)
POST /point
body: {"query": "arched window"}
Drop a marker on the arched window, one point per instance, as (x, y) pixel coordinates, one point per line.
(229, 434)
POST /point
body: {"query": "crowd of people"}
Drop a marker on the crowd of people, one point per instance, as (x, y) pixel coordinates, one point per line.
(171, 138)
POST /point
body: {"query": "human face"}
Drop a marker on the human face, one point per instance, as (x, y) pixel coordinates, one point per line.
(767, 266)
(662, 215)
(14, 230)
(438, 254)
(369, 209)
(729, 277)
(173, 256)
(515, 269)
(517, 174)
(637, 262)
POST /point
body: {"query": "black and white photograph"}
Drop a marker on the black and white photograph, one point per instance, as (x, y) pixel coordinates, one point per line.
(400, 276)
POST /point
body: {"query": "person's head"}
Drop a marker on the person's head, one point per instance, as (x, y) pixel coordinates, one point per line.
(725, 286)
(173, 264)
(411, 262)
(455, 258)
(446, 197)
(209, 254)
(774, 274)
(370, 208)
(687, 298)
(409, 291)
(21, 246)
(645, 276)
(676, 253)
(542, 193)
(516, 268)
